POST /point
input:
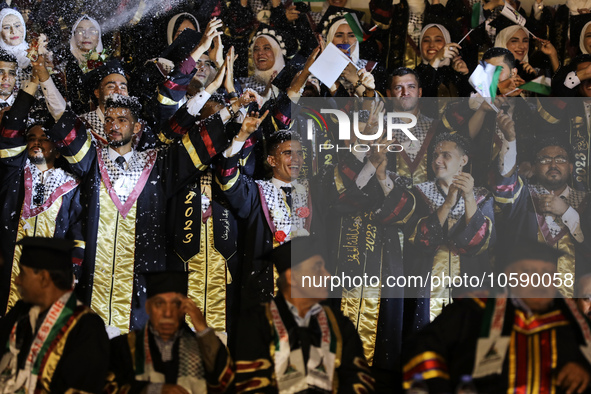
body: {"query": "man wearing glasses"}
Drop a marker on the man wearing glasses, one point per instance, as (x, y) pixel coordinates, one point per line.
(545, 209)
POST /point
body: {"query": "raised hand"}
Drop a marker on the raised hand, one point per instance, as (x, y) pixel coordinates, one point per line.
(229, 79)
(507, 126)
(299, 81)
(217, 82)
(250, 124)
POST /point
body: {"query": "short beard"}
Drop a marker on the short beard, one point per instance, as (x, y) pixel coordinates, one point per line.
(37, 160)
(117, 144)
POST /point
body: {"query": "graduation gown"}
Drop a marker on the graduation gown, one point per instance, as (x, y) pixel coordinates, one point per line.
(454, 249)
(59, 216)
(76, 358)
(539, 347)
(268, 222)
(136, 362)
(364, 239)
(518, 200)
(258, 351)
(125, 240)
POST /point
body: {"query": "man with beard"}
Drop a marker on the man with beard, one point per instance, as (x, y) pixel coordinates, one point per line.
(546, 209)
(411, 163)
(39, 199)
(127, 191)
(106, 80)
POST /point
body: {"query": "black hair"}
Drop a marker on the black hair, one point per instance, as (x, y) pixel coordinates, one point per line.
(280, 137)
(582, 58)
(401, 71)
(129, 102)
(508, 57)
(7, 57)
(553, 141)
(461, 142)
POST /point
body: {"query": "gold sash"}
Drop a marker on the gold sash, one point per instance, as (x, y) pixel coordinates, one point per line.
(112, 286)
(42, 225)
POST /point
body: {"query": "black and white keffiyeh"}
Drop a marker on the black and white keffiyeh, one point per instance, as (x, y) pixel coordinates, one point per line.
(436, 199)
(555, 223)
(124, 181)
(281, 215)
(51, 180)
(96, 121)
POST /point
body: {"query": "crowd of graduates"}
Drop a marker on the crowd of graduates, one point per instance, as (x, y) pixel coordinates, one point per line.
(194, 139)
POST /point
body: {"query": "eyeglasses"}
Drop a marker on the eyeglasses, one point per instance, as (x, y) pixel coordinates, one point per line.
(557, 160)
(90, 32)
(202, 64)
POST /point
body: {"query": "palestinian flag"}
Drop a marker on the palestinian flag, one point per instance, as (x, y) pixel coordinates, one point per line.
(541, 85)
(485, 79)
(477, 15)
(356, 27)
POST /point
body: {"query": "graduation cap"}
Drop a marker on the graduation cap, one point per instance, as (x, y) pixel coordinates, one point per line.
(527, 249)
(294, 252)
(46, 253)
(93, 78)
(182, 47)
(166, 282)
(334, 14)
(287, 43)
(577, 22)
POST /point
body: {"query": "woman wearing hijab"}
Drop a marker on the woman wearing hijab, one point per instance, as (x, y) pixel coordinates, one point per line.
(178, 23)
(442, 71)
(354, 81)
(13, 41)
(516, 39)
(85, 37)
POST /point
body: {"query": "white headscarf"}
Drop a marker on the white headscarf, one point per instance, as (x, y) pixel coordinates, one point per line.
(505, 35)
(74, 48)
(265, 76)
(333, 30)
(582, 39)
(446, 37)
(19, 51)
(170, 30)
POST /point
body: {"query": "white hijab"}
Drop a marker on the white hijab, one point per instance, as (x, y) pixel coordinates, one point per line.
(170, 30)
(74, 49)
(505, 35)
(333, 30)
(446, 37)
(582, 39)
(19, 51)
(265, 76)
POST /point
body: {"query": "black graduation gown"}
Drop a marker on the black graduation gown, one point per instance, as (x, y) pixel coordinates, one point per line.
(125, 347)
(445, 350)
(255, 368)
(137, 246)
(83, 364)
(60, 216)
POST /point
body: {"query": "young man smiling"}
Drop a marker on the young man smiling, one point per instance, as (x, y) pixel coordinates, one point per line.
(275, 210)
(454, 222)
